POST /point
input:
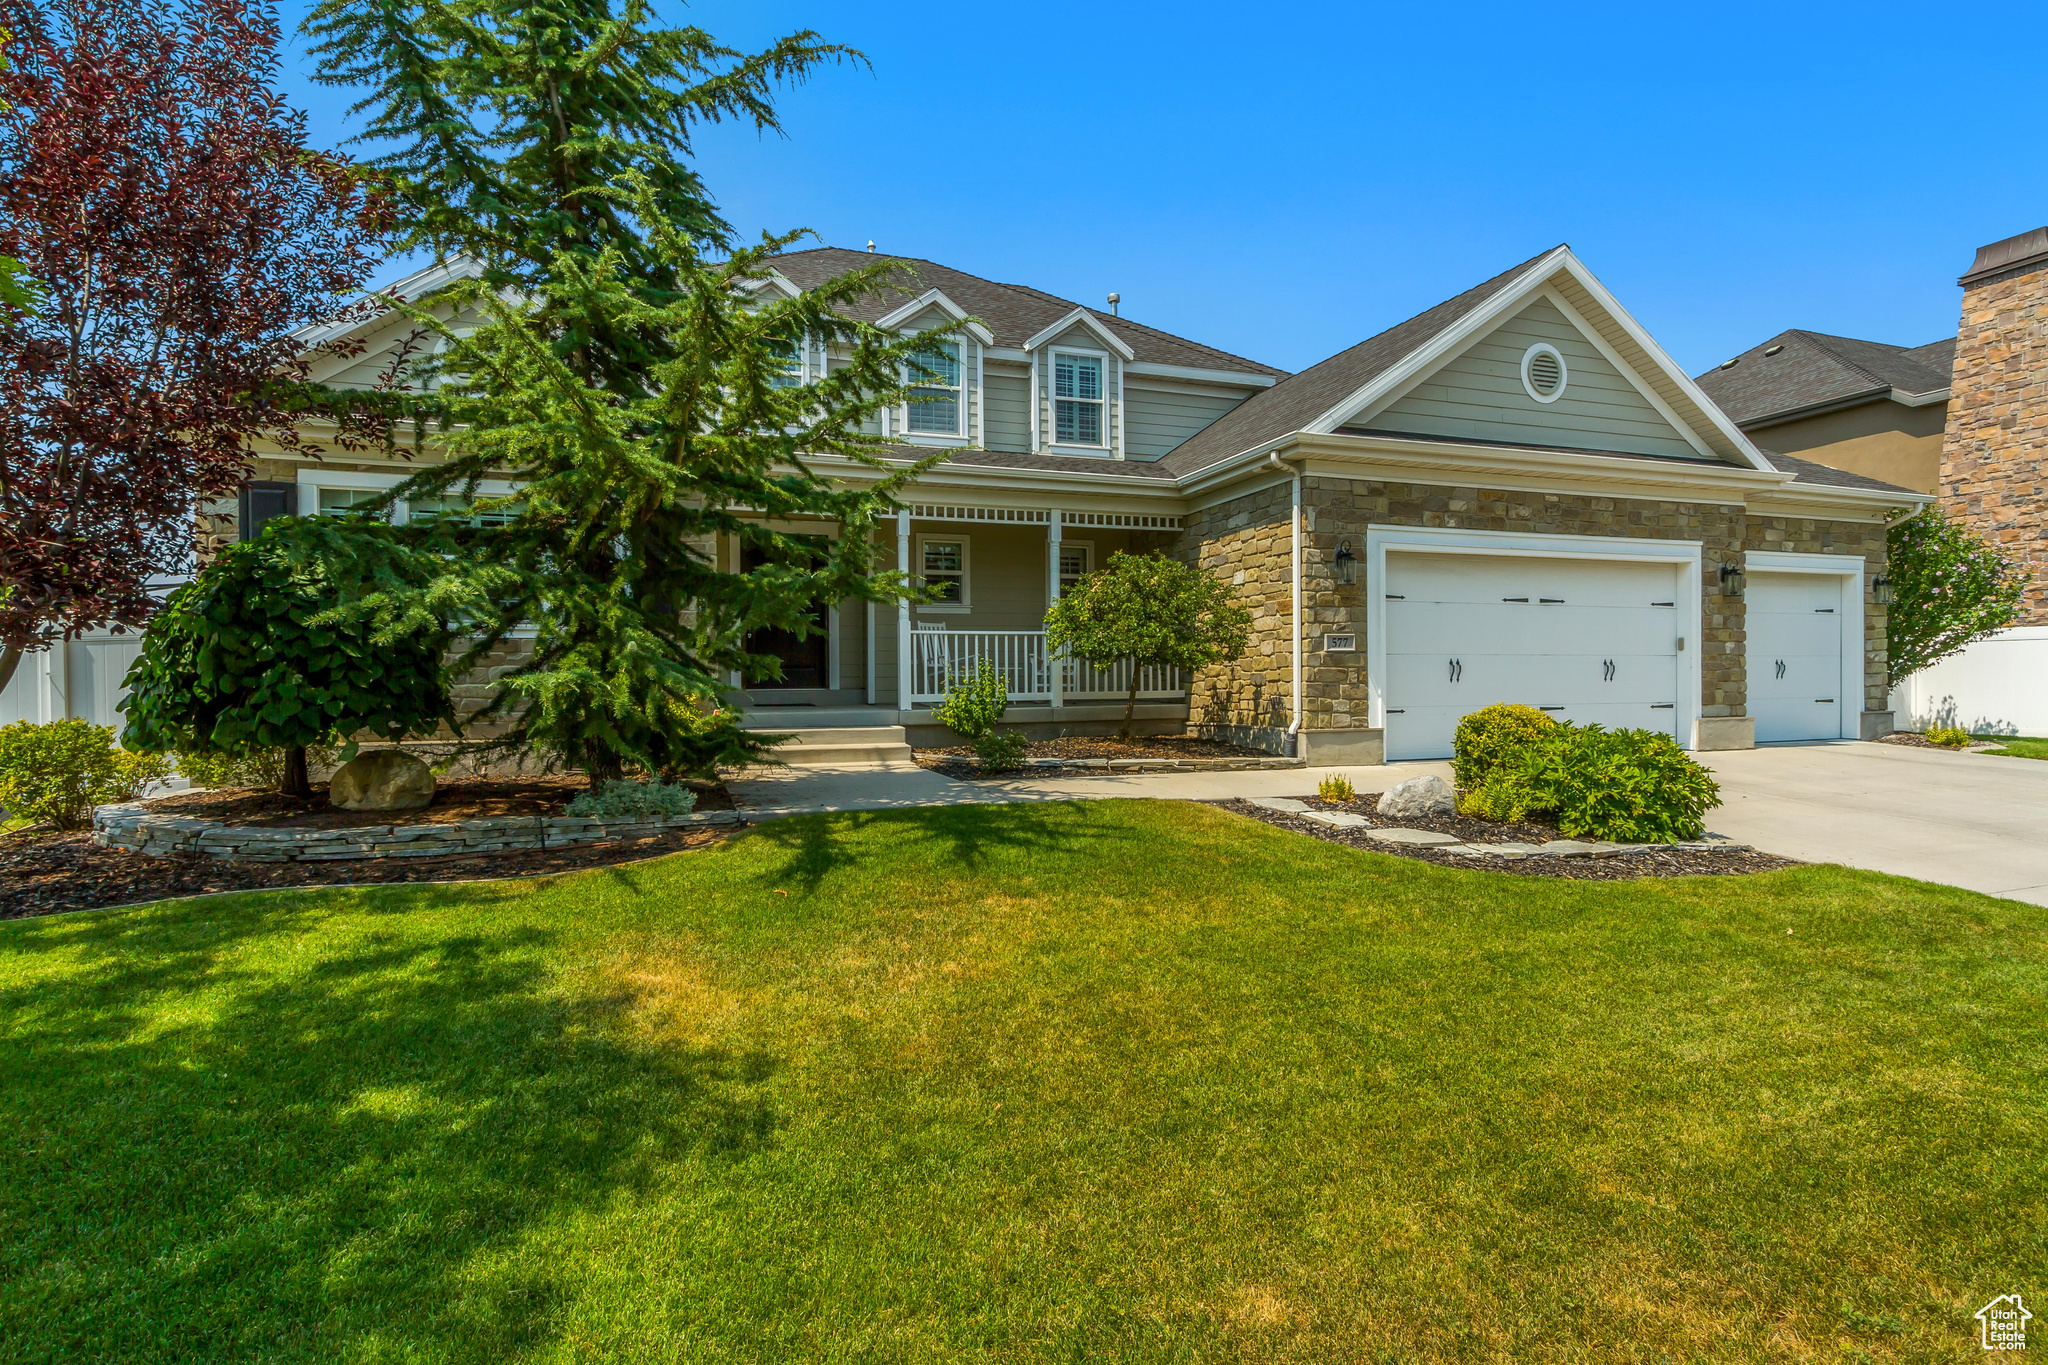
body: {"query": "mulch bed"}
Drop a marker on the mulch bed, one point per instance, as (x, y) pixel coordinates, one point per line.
(43, 871)
(1615, 868)
(453, 801)
(1908, 739)
(945, 759)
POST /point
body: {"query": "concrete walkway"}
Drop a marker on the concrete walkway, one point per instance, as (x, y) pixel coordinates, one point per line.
(1960, 819)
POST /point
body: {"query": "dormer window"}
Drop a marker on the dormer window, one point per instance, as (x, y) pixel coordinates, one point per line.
(935, 407)
(1077, 399)
(788, 362)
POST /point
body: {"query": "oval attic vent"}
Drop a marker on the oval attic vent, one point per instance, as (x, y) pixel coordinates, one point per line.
(1543, 373)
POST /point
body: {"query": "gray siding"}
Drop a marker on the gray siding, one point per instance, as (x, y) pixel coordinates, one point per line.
(1161, 418)
(1008, 414)
(1479, 396)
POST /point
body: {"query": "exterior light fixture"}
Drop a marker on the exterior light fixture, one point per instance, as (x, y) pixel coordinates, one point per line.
(1347, 563)
(1733, 580)
(1881, 590)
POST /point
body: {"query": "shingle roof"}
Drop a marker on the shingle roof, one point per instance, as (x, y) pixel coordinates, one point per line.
(1806, 471)
(1294, 402)
(1012, 312)
(1814, 369)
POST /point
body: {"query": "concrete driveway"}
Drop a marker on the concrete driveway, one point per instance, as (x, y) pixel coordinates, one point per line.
(1961, 819)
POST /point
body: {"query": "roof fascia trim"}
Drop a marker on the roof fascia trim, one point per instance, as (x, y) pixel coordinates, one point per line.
(1163, 371)
(1481, 319)
(424, 281)
(934, 298)
(1084, 318)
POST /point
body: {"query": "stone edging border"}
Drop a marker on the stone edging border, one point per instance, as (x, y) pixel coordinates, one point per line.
(134, 828)
(1131, 765)
(1451, 843)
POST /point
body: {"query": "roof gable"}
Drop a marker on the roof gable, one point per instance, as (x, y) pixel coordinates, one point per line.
(1325, 397)
(1478, 394)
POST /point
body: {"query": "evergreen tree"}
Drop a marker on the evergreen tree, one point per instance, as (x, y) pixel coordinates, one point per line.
(619, 361)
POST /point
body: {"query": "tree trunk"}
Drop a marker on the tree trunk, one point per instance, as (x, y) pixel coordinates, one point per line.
(602, 766)
(295, 780)
(10, 659)
(1131, 706)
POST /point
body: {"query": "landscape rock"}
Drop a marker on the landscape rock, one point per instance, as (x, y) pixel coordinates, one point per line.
(1418, 797)
(1425, 837)
(1341, 819)
(1285, 804)
(383, 779)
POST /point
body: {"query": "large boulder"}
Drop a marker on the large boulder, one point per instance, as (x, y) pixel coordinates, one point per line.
(1418, 796)
(383, 779)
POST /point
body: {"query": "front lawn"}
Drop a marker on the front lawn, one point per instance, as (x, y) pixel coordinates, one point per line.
(2016, 748)
(1117, 1081)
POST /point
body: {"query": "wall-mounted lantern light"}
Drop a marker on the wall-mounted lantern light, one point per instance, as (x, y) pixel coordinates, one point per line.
(1347, 563)
(1732, 580)
(1881, 590)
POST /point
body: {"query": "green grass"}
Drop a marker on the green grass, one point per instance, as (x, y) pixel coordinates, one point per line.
(2015, 747)
(1122, 1081)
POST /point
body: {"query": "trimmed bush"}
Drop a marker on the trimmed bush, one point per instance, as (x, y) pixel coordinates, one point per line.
(1000, 750)
(624, 800)
(1629, 786)
(57, 773)
(1494, 735)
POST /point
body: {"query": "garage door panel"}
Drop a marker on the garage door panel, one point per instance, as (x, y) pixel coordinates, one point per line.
(1793, 627)
(1599, 652)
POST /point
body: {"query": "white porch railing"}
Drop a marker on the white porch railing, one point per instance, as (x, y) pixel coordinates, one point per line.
(942, 658)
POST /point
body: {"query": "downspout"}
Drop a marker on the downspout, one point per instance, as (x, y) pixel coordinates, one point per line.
(1294, 615)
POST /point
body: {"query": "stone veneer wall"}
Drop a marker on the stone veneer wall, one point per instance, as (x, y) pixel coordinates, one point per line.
(1246, 540)
(1807, 536)
(1994, 455)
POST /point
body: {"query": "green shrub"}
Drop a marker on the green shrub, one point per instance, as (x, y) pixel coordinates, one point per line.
(974, 707)
(624, 800)
(1948, 736)
(1336, 787)
(58, 772)
(1000, 750)
(1494, 735)
(1629, 786)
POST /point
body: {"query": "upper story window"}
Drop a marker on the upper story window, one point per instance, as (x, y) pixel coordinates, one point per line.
(935, 405)
(341, 502)
(789, 366)
(455, 507)
(1077, 399)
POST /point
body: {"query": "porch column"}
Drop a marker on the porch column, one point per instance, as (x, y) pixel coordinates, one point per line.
(1057, 681)
(903, 611)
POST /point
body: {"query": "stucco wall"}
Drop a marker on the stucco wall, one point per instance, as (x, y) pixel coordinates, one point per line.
(1879, 440)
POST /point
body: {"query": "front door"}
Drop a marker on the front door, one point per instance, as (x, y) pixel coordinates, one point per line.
(807, 661)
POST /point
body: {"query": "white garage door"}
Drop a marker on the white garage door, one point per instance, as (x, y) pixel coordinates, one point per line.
(1794, 629)
(1585, 640)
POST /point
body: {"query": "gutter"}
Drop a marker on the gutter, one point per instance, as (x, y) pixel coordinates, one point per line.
(1279, 465)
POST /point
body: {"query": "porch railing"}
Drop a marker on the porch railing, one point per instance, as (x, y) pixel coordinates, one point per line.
(942, 658)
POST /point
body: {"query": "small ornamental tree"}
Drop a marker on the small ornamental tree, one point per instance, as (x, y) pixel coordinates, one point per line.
(171, 230)
(1148, 609)
(261, 651)
(1949, 590)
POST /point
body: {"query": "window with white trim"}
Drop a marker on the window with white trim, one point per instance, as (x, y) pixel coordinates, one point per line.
(1077, 402)
(942, 564)
(1077, 557)
(935, 406)
(789, 365)
(455, 507)
(342, 502)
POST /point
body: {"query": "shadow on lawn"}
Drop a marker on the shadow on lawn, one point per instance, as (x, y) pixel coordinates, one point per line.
(304, 1161)
(963, 837)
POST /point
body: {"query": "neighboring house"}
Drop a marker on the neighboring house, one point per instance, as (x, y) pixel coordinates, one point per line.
(1514, 496)
(1965, 418)
(1860, 406)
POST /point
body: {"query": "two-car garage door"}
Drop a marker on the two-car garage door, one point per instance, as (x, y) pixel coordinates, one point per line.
(1586, 640)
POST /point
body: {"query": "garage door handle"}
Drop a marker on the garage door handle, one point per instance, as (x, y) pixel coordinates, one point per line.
(1781, 668)
(1823, 701)
(1607, 670)
(1457, 671)
(1550, 708)
(1663, 705)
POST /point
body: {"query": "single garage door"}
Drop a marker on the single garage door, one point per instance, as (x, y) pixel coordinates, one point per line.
(1585, 640)
(1794, 629)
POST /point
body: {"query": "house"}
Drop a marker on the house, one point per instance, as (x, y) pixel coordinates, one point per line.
(1961, 418)
(1513, 496)
(1861, 406)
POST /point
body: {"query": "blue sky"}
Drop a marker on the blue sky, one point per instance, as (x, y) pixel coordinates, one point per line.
(1285, 180)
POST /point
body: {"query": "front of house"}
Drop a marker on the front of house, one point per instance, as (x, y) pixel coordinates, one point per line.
(1515, 496)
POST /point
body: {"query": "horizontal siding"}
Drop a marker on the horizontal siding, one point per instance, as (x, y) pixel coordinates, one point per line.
(1008, 416)
(1162, 418)
(1479, 395)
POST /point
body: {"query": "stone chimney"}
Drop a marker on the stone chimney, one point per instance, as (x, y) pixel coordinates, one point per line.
(1994, 455)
